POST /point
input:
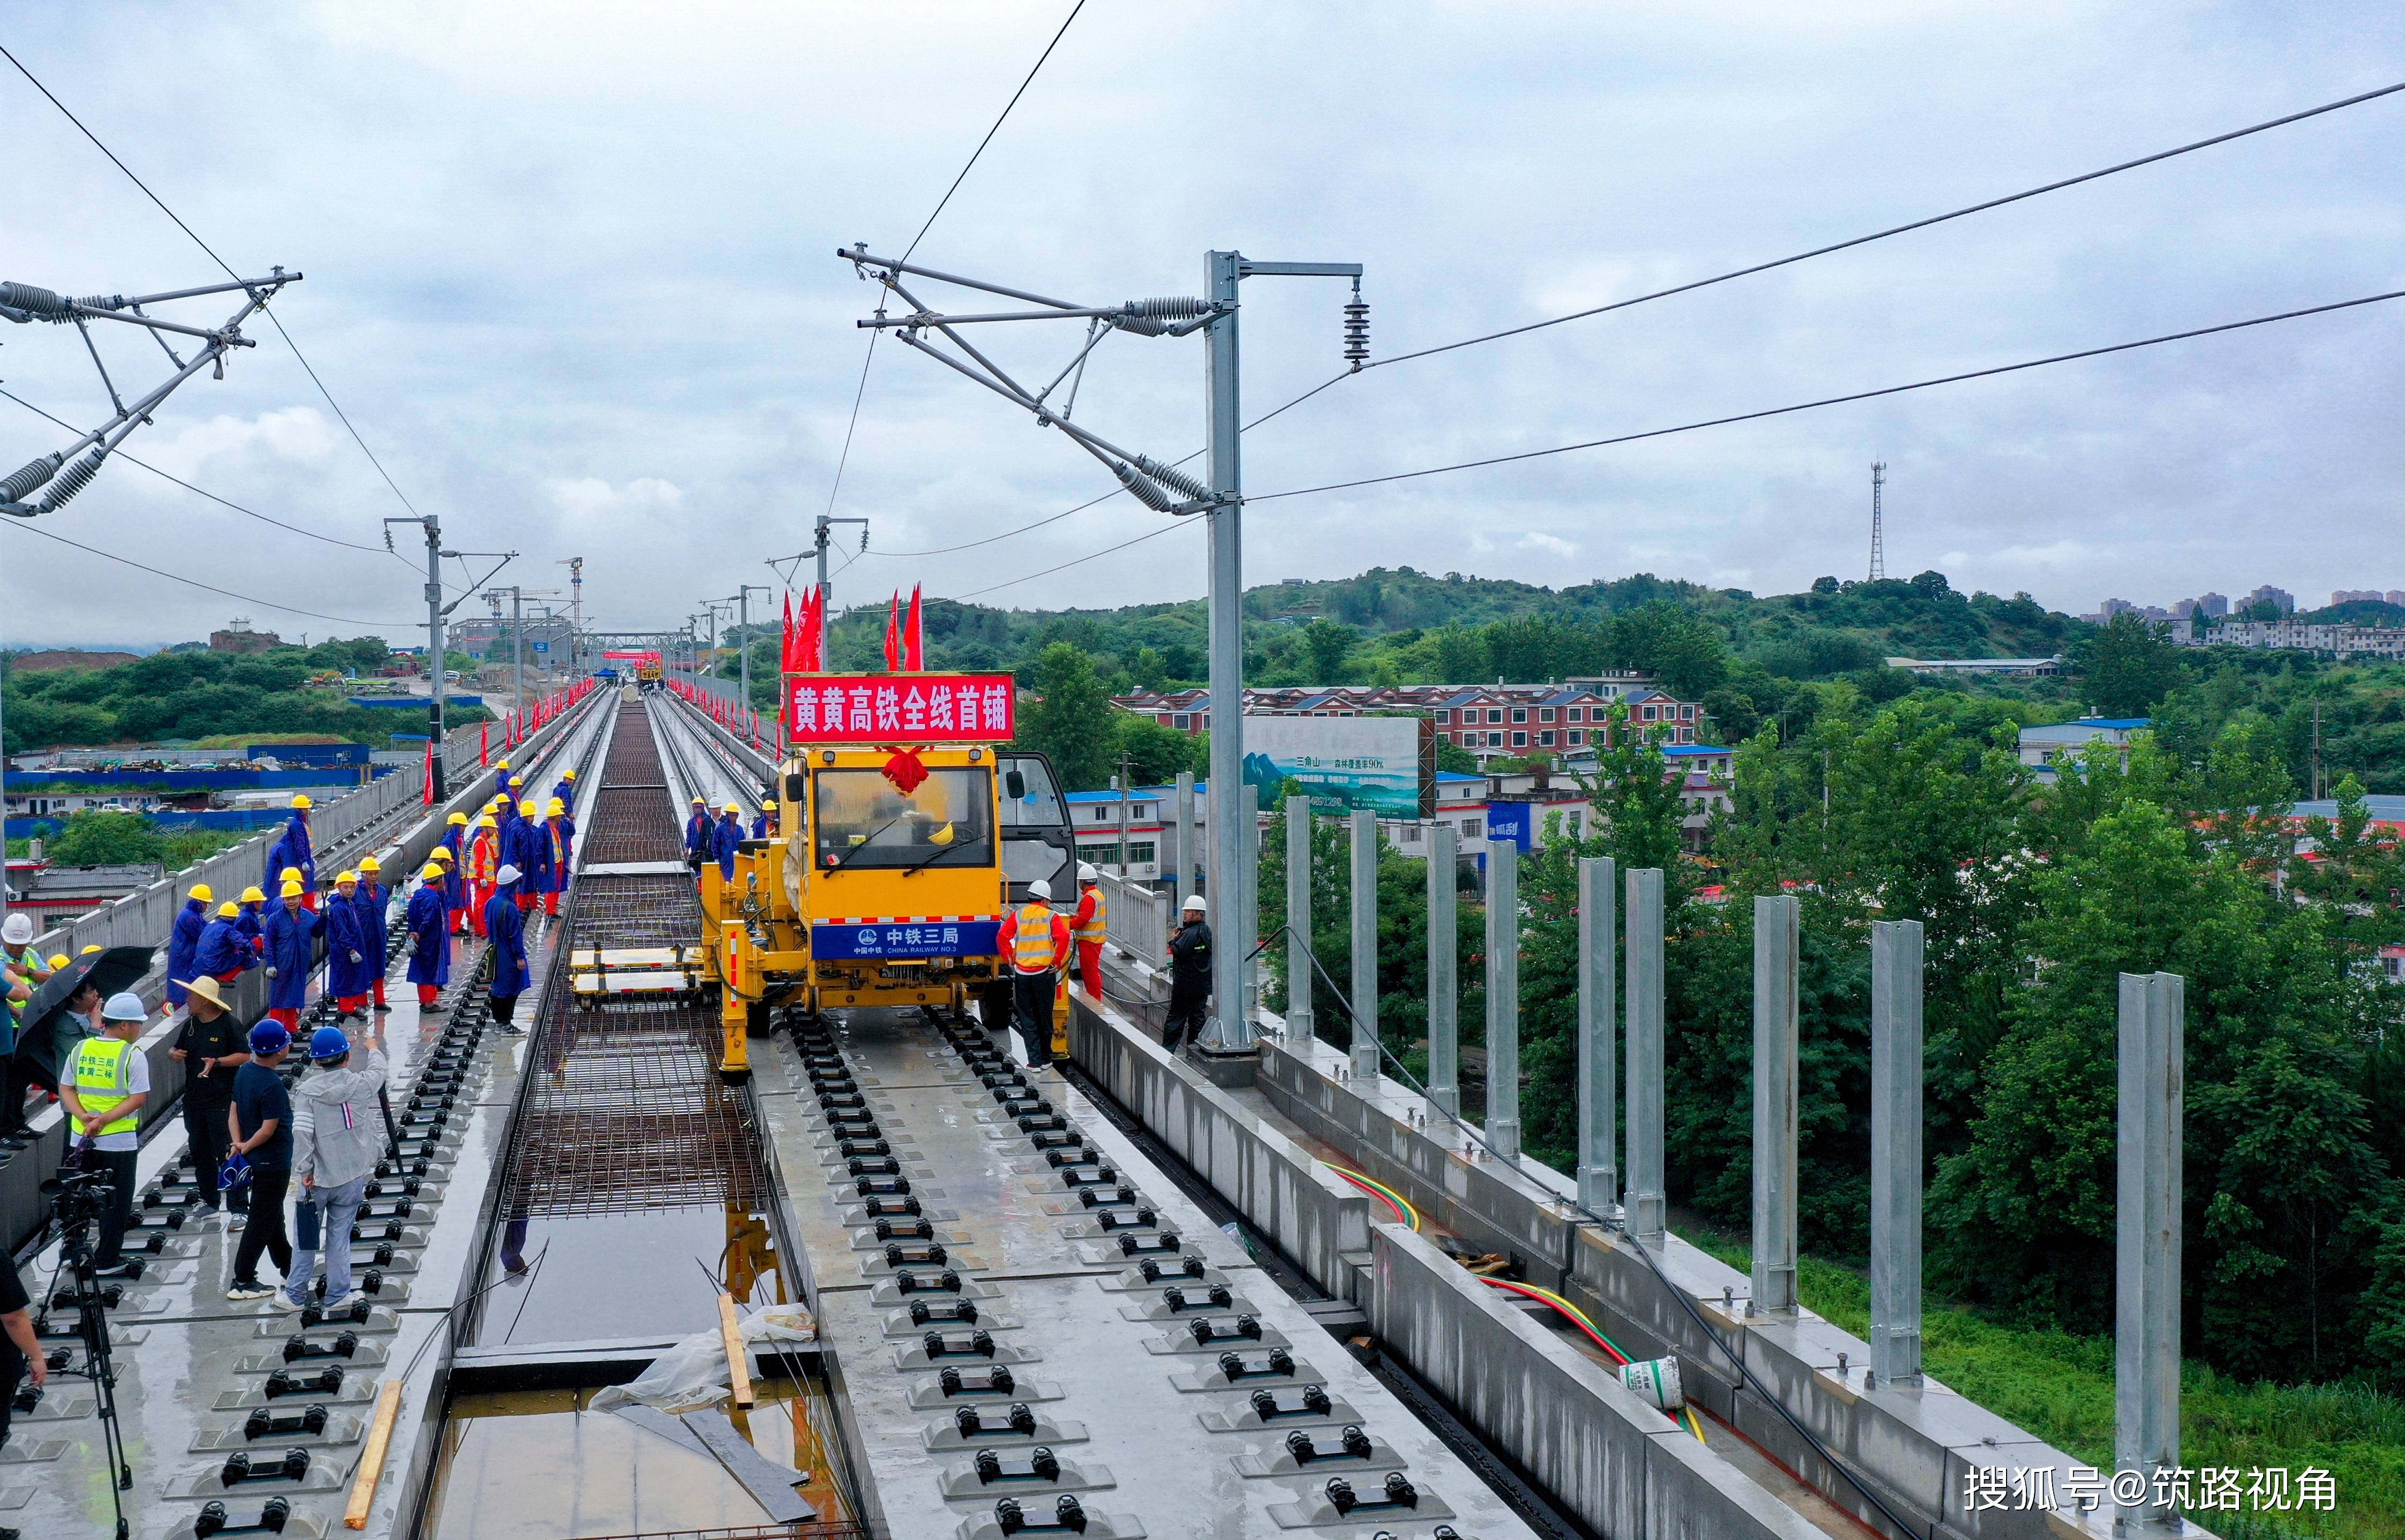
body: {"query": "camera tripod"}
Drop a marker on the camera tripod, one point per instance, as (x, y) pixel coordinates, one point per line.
(80, 1197)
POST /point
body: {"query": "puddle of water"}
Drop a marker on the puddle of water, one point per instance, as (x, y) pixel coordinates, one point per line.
(655, 1274)
(540, 1465)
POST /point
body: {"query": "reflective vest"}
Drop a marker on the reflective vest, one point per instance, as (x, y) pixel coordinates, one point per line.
(103, 1075)
(1093, 925)
(1030, 948)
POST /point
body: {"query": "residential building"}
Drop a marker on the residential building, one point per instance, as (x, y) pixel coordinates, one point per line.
(2279, 599)
(1094, 819)
(2213, 605)
(1489, 720)
(2357, 595)
(2341, 640)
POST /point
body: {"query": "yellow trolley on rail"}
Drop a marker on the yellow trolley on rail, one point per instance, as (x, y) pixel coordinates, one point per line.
(906, 829)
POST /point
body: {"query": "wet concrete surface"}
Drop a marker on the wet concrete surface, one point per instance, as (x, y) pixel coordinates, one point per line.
(590, 1277)
(1118, 1383)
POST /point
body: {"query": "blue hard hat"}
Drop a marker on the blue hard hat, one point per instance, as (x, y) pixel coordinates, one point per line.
(328, 1042)
(268, 1036)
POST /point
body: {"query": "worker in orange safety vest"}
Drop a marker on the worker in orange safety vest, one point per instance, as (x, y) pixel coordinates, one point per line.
(1034, 941)
(483, 865)
(1088, 926)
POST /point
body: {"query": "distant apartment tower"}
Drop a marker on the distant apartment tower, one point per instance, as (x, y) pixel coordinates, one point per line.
(238, 637)
(2213, 605)
(2396, 596)
(2358, 595)
(2279, 599)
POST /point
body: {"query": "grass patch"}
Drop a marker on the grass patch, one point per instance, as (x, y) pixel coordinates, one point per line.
(2060, 1387)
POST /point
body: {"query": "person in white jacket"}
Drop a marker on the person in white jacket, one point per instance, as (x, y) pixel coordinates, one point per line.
(338, 1136)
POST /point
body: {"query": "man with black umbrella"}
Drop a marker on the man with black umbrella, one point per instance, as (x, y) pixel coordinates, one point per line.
(211, 1047)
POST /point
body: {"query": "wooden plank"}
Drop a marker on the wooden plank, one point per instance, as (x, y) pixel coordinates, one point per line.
(739, 1368)
(379, 1444)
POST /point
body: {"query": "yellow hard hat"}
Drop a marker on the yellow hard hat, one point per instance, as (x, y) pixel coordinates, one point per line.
(290, 890)
(369, 863)
(485, 821)
(302, 802)
(227, 911)
(457, 818)
(554, 806)
(58, 960)
(735, 807)
(568, 775)
(252, 895)
(767, 807)
(89, 949)
(201, 891)
(291, 874)
(517, 781)
(441, 852)
(941, 836)
(347, 879)
(433, 871)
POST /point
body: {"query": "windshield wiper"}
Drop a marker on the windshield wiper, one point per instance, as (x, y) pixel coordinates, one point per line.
(941, 851)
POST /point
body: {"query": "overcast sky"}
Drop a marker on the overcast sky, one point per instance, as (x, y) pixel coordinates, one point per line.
(569, 270)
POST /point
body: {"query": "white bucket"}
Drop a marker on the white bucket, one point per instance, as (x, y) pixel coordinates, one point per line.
(1657, 1380)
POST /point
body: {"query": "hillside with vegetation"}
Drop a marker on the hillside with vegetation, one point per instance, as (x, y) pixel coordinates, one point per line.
(188, 694)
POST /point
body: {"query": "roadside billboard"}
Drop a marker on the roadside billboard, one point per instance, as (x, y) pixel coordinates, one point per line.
(1386, 764)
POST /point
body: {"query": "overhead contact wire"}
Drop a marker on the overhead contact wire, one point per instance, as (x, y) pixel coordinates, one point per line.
(192, 583)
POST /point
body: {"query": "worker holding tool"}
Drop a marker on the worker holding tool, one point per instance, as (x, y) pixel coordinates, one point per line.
(427, 920)
(1088, 926)
(347, 949)
(184, 941)
(1190, 976)
(375, 906)
(1035, 939)
(291, 857)
(292, 956)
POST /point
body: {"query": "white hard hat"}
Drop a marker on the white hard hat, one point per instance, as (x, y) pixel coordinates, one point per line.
(1039, 889)
(1086, 873)
(1194, 905)
(125, 1006)
(508, 873)
(16, 929)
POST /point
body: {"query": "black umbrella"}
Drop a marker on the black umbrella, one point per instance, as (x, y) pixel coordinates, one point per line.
(49, 1031)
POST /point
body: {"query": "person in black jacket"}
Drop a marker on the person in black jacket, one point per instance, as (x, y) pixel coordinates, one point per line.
(212, 1046)
(1190, 977)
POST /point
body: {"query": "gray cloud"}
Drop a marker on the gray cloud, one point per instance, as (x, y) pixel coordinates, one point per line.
(569, 270)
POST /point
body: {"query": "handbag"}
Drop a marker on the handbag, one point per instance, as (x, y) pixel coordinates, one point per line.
(234, 1174)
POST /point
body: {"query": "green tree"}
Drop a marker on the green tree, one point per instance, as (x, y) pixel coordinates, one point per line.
(1155, 753)
(106, 839)
(2130, 664)
(1149, 668)
(1072, 721)
(1326, 645)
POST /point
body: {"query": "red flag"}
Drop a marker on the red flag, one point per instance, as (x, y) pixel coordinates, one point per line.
(429, 792)
(785, 664)
(894, 631)
(484, 744)
(814, 641)
(914, 648)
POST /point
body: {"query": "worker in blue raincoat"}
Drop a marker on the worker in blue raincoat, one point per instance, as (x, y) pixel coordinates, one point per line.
(428, 919)
(505, 931)
(372, 902)
(726, 839)
(250, 919)
(534, 858)
(764, 824)
(697, 835)
(292, 850)
(184, 941)
(292, 956)
(563, 853)
(348, 978)
(566, 791)
(225, 952)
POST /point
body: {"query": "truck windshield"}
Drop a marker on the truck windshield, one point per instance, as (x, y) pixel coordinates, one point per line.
(865, 821)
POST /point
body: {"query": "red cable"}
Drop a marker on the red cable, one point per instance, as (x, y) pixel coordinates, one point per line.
(1582, 1326)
